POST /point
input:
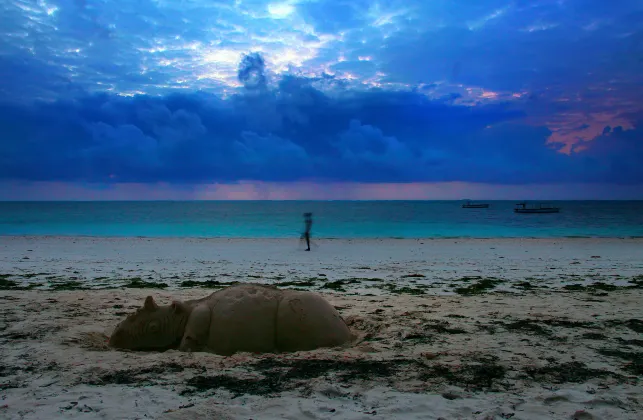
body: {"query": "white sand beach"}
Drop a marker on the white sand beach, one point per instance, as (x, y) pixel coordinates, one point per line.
(448, 328)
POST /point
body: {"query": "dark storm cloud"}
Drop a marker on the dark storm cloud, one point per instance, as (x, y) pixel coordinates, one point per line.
(295, 132)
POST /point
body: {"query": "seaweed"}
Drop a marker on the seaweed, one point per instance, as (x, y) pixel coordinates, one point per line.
(576, 372)
(32, 275)
(338, 285)
(478, 288)
(236, 386)
(67, 285)
(595, 287)
(210, 284)
(635, 359)
(12, 285)
(133, 376)
(472, 376)
(637, 282)
(281, 375)
(443, 327)
(534, 326)
(638, 343)
(419, 338)
(635, 325)
(301, 283)
(594, 336)
(403, 290)
(138, 283)
(469, 278)
(525, 285)
(527, 325)
(567, 323)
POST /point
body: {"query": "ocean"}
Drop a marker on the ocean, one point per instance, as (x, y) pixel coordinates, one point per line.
(332, 219)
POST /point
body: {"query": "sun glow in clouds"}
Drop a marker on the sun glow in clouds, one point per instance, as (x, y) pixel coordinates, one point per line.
(280, 10)
(223, 56)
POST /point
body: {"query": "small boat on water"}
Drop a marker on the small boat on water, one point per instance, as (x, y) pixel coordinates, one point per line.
(470, 205)
(539, 208)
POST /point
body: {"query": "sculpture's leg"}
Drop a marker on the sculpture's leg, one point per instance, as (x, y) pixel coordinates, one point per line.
(197, 329)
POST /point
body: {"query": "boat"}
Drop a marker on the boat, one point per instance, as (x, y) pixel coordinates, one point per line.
(470, 205)
(539, 208)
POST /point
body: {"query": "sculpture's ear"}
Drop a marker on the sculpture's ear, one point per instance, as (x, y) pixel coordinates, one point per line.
(178, 306)
(149, 304)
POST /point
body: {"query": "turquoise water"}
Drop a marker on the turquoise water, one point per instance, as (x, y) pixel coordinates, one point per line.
(332, 219)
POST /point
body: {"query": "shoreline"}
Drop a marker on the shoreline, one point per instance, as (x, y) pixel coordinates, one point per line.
(327, 238)
(360, 266)
(356, 238)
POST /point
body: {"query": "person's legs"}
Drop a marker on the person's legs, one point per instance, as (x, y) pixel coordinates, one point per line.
(308, 241)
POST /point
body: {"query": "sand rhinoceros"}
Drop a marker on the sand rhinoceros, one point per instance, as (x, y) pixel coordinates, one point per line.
(248, 317)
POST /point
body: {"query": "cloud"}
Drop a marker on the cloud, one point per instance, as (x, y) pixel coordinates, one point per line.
(252, 71)
(297, 132)
(335, 91)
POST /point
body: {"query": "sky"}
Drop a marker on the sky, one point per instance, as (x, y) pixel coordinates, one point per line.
(321, 99)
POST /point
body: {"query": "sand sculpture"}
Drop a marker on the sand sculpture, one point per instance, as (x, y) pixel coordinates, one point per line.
(240, 318)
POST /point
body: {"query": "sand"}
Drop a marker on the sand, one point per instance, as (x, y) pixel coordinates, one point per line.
(452, 328)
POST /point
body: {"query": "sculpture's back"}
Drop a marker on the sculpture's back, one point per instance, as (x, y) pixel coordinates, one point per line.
(243, 319)
(306, 321)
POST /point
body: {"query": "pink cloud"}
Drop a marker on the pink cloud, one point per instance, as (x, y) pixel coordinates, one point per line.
(577, 128)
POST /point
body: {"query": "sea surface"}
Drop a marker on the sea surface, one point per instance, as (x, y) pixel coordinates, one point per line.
(332, 219)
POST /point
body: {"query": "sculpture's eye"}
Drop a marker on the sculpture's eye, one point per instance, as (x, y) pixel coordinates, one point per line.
(153, 327)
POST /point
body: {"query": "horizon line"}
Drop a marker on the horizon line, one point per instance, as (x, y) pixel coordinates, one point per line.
(307, 200)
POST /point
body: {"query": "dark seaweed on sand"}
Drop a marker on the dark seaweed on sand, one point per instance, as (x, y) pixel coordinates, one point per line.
(308, 369)
(443, 327)
(134, 375)
(635, 325)
(536, 327)
(576, 372)
(299, 283)
(419, 338)
(479, 287)
(138, 283)
(594, 336)
(637, 282)
(404, 290)
(635, 359)
(210, 284)
(339, 285)
(525, 285)
(236, 386)
(633, 342)
(6, 284)
(527, 325)
(592, 287)
(67, 285)
(468, 376)
(281, 375)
